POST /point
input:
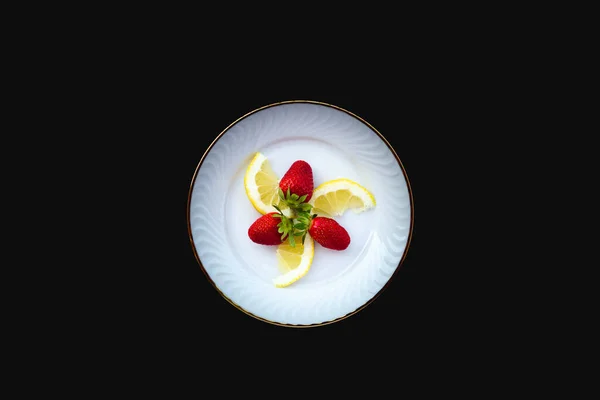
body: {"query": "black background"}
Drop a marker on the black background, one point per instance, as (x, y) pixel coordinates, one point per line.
(147, 114)
(139, 121)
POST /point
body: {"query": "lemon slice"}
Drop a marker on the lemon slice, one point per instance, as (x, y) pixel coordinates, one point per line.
(294, 262)
(261, 184)
(334, 197)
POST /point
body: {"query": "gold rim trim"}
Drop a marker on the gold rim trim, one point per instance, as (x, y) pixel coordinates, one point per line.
(372, 299)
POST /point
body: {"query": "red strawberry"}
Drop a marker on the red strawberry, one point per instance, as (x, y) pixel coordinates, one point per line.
(298, 180)
(328, 233)
(270, 229)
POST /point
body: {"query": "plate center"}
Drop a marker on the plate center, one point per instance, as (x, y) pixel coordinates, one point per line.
(328, 162)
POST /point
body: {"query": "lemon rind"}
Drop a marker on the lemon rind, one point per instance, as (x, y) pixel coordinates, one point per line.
(300, 271)
(251, 189)
(344, 183)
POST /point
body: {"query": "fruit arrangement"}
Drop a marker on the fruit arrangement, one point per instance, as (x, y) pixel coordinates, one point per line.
(294, 213)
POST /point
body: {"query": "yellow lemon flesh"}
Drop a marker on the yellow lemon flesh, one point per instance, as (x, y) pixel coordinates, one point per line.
(262, 184)
(334, 197)
(294, 262)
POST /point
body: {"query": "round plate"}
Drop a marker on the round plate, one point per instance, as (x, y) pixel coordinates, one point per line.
(337, 144)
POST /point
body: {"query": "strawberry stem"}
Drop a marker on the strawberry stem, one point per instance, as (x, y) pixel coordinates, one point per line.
(285, 227)
(294, 202)
(299, 223)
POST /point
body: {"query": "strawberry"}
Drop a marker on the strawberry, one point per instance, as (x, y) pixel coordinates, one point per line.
(325, 231)
(329, 233)
(298, 180)
(270, 229)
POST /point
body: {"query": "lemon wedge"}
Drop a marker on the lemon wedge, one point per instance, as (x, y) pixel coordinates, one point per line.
(294, 262)
(334, 197)
(262, 184)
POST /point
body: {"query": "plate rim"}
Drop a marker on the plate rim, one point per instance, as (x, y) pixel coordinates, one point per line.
(376, 295)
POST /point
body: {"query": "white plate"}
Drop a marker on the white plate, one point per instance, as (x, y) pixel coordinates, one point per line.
(337, 144)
